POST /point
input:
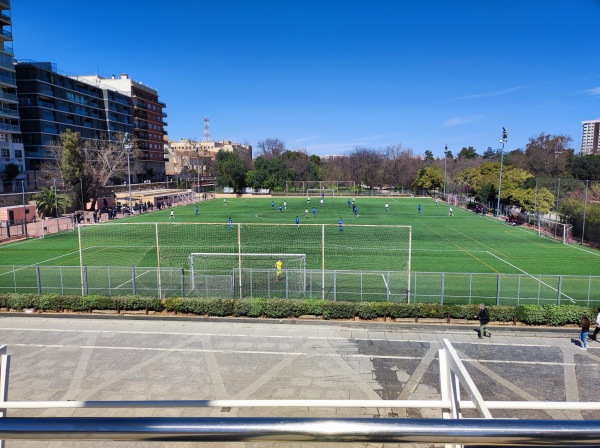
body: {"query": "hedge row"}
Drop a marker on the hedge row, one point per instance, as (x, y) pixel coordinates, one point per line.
(280, 308)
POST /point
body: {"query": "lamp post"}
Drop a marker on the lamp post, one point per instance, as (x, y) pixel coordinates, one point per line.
(24, 208)
(503, 141)
(445, 159)
(127, 146)
(56, 198)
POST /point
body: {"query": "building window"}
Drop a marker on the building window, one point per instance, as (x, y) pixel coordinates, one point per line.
(5, 153)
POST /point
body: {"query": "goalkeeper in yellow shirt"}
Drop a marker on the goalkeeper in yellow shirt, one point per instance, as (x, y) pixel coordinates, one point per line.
(278, 266)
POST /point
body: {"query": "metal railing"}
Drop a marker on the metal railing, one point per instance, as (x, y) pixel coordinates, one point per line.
(450, 428)
(334, 285)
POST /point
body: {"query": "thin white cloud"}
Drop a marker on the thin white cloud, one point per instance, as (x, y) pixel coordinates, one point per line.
(458, 121)
(305, 139)
(488, 94)
(594, 91)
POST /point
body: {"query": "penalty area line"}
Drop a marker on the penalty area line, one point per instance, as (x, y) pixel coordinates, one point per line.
(528, 274)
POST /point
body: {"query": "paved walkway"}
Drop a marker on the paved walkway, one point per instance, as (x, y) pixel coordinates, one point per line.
(171, 359)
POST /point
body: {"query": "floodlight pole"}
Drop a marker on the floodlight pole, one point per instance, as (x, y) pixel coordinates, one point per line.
(24, 208)
(503, 141)
(445, 160)
(198, 168)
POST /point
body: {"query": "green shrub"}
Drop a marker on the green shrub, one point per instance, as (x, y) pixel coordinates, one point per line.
(531, 314)
(136, 303)
(402, 310)
(431, 310)
(366, 311)
(3, 299)
(219, 307)
(249, 307)
(20, 301)
(502, 313)
(338, 310)
(279, 308)
(314, 306)
(172, 304)
(566, 314)
(48, 302)
(192, 306)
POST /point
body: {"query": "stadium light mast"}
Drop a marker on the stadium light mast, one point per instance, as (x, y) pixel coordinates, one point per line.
(503, 141)
(127, 146)
(445, 160)
(198, 167)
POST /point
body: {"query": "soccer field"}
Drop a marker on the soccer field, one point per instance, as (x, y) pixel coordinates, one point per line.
(482, 247)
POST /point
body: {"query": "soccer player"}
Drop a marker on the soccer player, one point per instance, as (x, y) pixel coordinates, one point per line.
(306, 212)
(280, 208)
(224, 202)
(308, 200)
(450, 212)
(356, 211)
(314, 212)
(297, 222)
(321, 202)
(278, 266)
(172, 215)
(436, 202)
(230, 223)
(419, 208)
(284, 205)
(196, 210)
(272, 205)
(387, 207)
(341, 224)
(348, 203)
(353, 201)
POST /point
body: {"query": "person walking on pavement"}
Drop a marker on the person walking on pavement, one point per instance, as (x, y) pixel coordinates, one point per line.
(597, 329)
(585, 329)
(484, 319)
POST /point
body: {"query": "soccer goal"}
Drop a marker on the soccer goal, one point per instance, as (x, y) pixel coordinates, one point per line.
(316, 192)
(248, 271)
(554, 229)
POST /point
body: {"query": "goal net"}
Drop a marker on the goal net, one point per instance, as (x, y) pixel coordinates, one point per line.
(258, 270)
(554, 229)
(316, 193)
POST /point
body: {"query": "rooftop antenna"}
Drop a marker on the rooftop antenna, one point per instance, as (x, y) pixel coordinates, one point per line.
(206, 129)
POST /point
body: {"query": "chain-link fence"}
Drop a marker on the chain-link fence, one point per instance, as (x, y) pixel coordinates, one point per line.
(336, 285)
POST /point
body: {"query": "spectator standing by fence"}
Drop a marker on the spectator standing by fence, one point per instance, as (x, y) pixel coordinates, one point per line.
(484, 319)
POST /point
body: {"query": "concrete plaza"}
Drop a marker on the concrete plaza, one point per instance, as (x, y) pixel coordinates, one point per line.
(119, 358)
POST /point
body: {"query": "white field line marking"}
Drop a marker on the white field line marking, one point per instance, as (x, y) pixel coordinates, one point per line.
(283, 353)
(129, 281)
(537, 279)
(387, 287)
(45, 261)
(250, 336)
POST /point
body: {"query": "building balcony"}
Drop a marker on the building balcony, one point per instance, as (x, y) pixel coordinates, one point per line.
(8, 80)
(164, 123)
(9, 97)
(5, 19)
(6, 35)
(9, 112)
(164, 114)
(160, 103)
(4, 4)
(9, 127)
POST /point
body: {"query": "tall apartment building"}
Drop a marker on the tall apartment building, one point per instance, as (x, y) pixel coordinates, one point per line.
(590, 137)
(148, 121)
(51, 102)
(11, 146)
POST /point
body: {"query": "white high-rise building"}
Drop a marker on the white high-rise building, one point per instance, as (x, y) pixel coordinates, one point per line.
(590, 137)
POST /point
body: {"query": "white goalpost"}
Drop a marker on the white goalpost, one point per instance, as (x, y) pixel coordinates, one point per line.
(554, 229)
(315, 192)
(211, 269)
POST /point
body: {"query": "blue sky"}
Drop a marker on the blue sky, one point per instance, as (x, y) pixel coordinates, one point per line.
(330, 76)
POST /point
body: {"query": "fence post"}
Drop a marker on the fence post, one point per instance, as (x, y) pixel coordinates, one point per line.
(559, 288)
(334, 285)
(442, 292)
(133, 280)
(287, 289)
(39, 278)
(498, 290)
(361, 286)
(85, 281)
(182, 282)
(388, 286)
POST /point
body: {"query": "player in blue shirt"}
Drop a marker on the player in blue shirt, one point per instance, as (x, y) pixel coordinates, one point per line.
(272, 205)
(297, 222)
(419, 208)
(230, 224)
(314, 212)
(348, 203)
(341, 224)
(280, 208)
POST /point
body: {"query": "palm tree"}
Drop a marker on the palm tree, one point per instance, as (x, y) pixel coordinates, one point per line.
(48, 199)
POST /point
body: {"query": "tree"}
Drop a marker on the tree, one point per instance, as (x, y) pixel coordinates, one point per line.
(271, 147)
(366, 166)
(47, 199)
(491, 153)
(269, 173)
(585, 167)
(548, 155)
(468, 153)
(11, 171)
(73, 156)
(231, 171)
(429, 178)
(429, 156)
